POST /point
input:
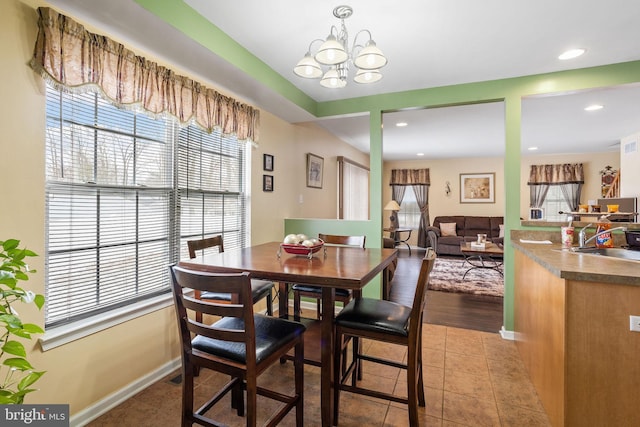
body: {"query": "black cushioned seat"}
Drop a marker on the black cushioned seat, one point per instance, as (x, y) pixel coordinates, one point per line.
(271, 334)
(376, 316)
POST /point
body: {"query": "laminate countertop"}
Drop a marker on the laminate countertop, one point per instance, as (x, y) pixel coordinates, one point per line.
(575, 266)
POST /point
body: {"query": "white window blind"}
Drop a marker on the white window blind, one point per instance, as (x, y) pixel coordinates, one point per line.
(353, 181)
(211, 187)
(114, 209)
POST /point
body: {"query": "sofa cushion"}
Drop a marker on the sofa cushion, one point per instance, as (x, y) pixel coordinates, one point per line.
(496, 222)
(474, 225)
(448, 229)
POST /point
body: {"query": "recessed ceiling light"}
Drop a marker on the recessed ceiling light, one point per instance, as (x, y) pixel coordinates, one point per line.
(594, 107)
(532, 148)
(572, 53)
(401, 124)
(420, 154)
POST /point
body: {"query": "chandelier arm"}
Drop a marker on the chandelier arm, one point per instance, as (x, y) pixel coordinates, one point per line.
(354, 46)
(312, 42)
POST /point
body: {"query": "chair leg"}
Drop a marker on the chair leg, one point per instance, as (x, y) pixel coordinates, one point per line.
(252, 401)
(187, 395)
(412, 387)
(237, 399)
(296, 305)
(299, 382)
(270, 305)
(337, 374)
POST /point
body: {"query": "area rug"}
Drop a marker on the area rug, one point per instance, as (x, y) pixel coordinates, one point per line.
(447, 276)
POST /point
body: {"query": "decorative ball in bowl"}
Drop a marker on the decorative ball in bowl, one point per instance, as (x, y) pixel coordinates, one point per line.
(299, 244)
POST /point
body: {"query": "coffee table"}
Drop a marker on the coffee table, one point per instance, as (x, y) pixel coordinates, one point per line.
(490, 257)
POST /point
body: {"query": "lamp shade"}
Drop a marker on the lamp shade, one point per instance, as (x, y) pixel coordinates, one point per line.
(370, 57)
(308, 68)
(332, 80)
(331, 52)
(367, 76)
(392, 206)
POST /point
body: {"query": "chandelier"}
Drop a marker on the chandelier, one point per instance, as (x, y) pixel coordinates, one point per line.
(334, 52)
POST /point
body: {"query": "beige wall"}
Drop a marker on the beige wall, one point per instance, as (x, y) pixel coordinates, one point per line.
(85, 371)
(289, 144)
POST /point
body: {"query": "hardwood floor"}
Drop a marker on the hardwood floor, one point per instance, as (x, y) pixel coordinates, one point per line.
(477, 312)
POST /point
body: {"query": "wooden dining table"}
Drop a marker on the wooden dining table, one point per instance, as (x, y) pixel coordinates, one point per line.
(331, 267)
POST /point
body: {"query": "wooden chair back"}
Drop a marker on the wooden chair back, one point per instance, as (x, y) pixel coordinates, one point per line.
(333, 239)
(201, 244)
(238, 284)
(420, 297)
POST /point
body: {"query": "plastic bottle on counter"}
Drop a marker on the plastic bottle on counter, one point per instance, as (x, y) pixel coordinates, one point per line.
(605, 240)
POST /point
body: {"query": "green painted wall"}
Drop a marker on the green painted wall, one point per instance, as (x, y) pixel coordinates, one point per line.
(185, 19)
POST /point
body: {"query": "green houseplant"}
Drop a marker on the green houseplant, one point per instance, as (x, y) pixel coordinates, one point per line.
(16, 373)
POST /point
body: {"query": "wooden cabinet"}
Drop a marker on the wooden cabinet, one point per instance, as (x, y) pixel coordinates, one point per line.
(574, 339)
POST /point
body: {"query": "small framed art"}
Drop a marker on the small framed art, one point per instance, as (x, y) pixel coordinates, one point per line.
(267, 182)
(267, 162)
(315, 167)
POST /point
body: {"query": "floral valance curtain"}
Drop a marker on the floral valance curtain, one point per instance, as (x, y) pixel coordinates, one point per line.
(556, 174)
(410, 177)
(75, 59)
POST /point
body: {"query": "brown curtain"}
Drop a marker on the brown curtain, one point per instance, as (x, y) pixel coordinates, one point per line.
(75, 59)
(556, 174)
(410, 177)
(420, 182)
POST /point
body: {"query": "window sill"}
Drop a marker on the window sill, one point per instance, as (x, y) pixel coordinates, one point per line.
(62, 335)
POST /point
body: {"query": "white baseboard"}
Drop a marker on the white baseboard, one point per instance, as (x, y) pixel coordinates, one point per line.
(507, 335)
(105, 405)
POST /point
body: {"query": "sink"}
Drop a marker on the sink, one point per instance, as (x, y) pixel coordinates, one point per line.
(620, 253)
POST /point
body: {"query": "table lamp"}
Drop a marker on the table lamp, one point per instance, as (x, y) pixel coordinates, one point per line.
(394, 207)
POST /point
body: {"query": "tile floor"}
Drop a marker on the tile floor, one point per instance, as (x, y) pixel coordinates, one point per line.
(472, 378)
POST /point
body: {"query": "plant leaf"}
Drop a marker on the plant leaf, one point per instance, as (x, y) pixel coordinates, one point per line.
(39, 301)
(15, 348)
(33, 329)
(18, 363)
(10, 244)
(29, 379)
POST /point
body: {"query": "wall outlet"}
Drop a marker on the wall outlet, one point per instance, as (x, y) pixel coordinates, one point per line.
(634, 323)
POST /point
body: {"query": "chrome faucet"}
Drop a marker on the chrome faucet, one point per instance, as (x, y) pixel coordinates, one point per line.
(583, 241)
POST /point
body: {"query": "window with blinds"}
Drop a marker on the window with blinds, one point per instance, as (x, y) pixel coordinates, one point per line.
(114, 209)
(353, 190)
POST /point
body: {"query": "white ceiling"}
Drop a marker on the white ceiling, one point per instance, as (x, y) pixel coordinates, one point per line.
(428, 43)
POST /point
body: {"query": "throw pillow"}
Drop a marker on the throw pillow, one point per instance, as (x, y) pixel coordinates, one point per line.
(448, 229)
(501, 230)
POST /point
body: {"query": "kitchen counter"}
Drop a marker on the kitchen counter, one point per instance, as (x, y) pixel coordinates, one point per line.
(571, 324)
(574, 266)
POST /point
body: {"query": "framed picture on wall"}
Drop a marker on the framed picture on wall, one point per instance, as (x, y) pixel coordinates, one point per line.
(315, 167)
(267, 162)
(477, 188)
(267, 182)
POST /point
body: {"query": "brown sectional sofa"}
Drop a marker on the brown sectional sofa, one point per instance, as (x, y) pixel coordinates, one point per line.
(467, 230)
